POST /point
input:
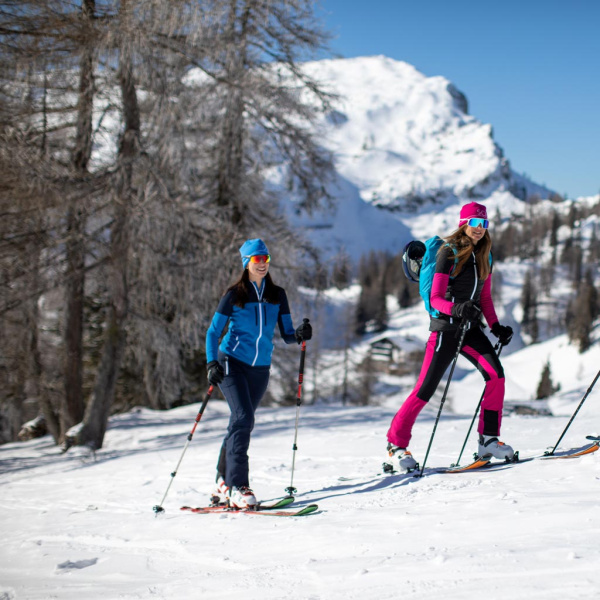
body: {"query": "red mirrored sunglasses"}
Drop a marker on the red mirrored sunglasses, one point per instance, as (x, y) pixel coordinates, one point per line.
(260, 258)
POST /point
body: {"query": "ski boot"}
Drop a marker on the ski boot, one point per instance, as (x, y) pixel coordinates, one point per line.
(242, 497)
(491, 447)
(401, 458)
(220, 495)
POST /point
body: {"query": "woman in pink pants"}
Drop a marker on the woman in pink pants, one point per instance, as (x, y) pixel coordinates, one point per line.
(461, 291)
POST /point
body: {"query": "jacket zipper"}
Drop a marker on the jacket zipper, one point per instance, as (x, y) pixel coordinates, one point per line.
(260, 323)
(476, 277)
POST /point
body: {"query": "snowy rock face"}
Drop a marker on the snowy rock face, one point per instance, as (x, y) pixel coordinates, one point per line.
(407, 155)
(405, 139)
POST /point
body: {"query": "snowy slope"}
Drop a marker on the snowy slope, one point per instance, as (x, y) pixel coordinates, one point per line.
(74, 528)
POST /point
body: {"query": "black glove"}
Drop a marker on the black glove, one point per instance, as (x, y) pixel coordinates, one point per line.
(304, 332)
(215, 372)
(504, 333)
(468, 311)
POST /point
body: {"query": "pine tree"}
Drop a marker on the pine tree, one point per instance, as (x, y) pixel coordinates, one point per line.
(545, 387)
(372, 304)
(529, 295)
(554, 229)
(341, 272)
(573, 216)
(593, 255)
(581, 313)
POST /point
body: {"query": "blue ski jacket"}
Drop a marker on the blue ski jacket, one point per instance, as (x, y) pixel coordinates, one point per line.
(249, 337)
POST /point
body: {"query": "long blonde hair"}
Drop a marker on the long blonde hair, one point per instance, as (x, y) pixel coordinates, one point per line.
(464, 246)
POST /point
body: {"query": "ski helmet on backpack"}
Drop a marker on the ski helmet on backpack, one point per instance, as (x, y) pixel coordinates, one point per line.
(419, 260)
(412, 257)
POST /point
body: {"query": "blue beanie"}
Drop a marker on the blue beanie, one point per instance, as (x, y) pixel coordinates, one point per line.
(252, 248)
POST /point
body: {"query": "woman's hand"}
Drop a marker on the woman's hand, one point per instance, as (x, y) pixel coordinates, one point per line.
(304, 332)
(215, 372)
(468, 311)
(504, 333)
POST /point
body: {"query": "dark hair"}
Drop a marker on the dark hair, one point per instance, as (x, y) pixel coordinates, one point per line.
(240, 290)
(464, 246)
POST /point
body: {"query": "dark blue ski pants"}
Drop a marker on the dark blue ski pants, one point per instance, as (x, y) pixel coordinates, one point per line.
(243, 387)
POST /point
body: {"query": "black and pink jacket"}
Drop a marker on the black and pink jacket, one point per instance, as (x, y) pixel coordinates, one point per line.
(446, 291)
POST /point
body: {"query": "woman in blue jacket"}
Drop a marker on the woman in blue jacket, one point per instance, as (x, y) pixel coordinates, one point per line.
(240, 365)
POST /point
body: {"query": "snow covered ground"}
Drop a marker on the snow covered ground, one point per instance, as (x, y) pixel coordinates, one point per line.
(77, 528)
(74, 528)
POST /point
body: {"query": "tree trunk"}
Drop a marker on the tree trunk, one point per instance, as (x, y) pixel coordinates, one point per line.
(98, 410)
(73, 408)
(232, 143)
(36, 388)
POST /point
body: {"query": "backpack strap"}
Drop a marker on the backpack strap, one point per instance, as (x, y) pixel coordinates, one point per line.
(453, 248)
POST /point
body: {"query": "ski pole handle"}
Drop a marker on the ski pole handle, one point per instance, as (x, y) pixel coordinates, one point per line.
(301, 373)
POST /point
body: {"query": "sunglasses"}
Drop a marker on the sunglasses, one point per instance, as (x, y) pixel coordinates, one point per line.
(478, 223)
(260, 258)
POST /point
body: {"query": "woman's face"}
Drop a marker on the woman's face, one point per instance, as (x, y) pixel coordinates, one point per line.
(257, 270)
(475, 233)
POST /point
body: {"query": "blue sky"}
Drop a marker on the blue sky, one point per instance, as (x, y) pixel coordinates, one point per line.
(530, 68)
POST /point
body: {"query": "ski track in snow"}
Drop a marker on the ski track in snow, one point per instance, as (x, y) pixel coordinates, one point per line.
(78, 528)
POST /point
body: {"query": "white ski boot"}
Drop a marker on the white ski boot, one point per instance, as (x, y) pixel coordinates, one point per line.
(220, 494)
(491, 447)
(242, 497)
(402, 459)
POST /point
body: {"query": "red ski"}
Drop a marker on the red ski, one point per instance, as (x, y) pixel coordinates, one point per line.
(203, 510)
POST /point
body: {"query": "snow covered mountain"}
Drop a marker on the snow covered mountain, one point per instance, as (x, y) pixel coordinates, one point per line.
(406, 143)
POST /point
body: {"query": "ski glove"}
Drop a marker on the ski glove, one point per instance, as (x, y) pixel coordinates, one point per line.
(504, 333)
(304, 332)
(468, 311)
(215, 372)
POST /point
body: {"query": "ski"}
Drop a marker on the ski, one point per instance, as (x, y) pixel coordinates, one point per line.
(489, 465)
(285, 501)
(478, 463)
(272, 512)
(484, 463)
(273, 504)
(577, 452)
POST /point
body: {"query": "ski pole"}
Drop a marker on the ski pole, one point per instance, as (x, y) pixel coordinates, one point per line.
(574, 414)
(498, 349)
(463, 327)
(158, 508)
(291, 490)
